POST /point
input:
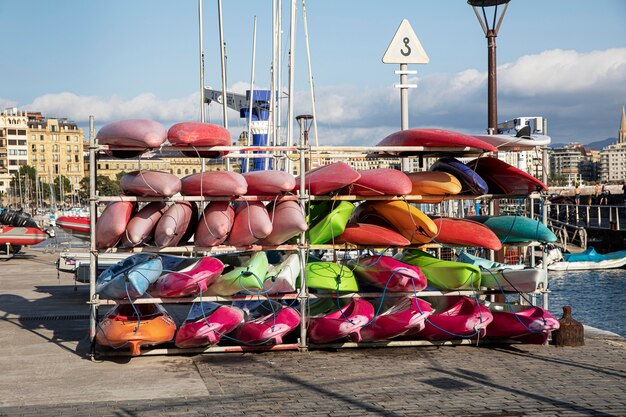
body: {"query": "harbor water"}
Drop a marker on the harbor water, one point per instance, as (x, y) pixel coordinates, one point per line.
(597, 297)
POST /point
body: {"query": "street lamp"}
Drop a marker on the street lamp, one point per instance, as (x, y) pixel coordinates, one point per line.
(490, 28)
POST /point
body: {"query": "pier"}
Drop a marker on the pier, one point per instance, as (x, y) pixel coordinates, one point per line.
(46, 370)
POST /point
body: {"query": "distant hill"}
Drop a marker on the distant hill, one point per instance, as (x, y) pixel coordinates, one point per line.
(598, 145)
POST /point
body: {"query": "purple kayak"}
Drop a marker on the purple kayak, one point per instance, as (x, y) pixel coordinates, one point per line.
(346, 322)
(407, 314)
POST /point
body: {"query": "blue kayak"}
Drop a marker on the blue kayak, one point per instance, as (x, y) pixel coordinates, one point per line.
(516, 229)
(590, 255)
(130, 277)
(471, 182)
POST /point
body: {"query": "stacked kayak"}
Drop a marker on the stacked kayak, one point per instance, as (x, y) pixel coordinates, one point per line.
(516, 229)
(528, 324)
(455, 317)
(441, 274)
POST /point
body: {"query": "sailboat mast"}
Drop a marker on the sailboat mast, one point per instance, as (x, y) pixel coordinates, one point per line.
(308, 58)
(223, 64)
(292, 48)
(200, 32)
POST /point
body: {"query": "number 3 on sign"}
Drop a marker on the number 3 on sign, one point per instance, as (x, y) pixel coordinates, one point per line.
(406, 52)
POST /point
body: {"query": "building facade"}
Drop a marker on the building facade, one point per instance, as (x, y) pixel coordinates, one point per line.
(13, 145)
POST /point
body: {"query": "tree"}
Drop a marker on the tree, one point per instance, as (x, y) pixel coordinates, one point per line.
(66, 186)
(104, 184)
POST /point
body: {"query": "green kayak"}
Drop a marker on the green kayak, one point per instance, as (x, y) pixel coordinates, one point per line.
(516, 229)
(328, 220)
(330, 276)
(240, 274)
(444, 275)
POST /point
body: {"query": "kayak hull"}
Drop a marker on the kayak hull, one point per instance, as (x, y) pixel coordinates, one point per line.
(206, 323)
(344, 323)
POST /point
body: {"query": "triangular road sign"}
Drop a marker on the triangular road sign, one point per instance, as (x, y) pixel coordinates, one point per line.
(405, 48)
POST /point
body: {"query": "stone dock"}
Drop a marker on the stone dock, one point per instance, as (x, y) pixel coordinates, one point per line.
(45, 370)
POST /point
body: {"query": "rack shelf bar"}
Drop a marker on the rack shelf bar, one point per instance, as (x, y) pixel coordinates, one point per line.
(210, 349)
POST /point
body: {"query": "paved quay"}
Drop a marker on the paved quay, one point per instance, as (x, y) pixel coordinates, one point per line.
(45, 371)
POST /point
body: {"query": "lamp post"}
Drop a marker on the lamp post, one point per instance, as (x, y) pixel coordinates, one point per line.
(304, 121)
(490, 28)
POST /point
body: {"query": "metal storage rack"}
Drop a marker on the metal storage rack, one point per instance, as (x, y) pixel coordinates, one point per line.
(302, 294)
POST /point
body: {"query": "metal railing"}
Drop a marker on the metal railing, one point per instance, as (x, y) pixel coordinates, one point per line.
(589, 216)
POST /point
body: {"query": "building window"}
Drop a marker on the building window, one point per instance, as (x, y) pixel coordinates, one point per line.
(21, 132)
(55, 148)
(67, 138)
(75, 148)
(75, 138)
(68, 148)
(178, 171)
(42, 148)
(33, 137)
(21, 142)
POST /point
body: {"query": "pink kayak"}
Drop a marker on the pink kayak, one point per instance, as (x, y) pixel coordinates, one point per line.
(381, 271)
(215, 224)
(173, 225)
(328, 178)
(265, 324)
(252, 222)
(456, 316)
(111, 225)
(148, 183)
(287, 219)
(408, 313)
(206, 323)
(79, 225)
(140, 133)
(526, 323)
(371, 235)
(192, 279)
(199, 135)
(141, 226)
(380, 181)
(346, 322)
(269, 182)
(215, 184)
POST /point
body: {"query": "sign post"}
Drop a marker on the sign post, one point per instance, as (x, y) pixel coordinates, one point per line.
(405, 48)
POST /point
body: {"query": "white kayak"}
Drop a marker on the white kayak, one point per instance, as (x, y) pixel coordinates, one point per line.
(515, 143)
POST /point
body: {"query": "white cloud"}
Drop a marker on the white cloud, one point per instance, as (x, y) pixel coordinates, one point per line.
(581, 94)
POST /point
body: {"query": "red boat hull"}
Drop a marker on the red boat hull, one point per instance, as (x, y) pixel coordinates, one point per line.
(21, 236)
(434, 138)
(503, 178)
(269, 182)
(465, 232)
(385, 271)
(214, 183)
(458, 317)
(112, 223)
(270, 329)
(287, 220)
(328, 178)
(140, 133)
(381, 181)
(252, 223)
(371, 235)
(199, 135)
(208, 329)
(141, 226)
(215, 224)
(74, 224)
(533, 325)
(150, 184)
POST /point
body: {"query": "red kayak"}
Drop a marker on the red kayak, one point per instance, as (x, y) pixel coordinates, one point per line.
(215, 224)
(503, 178)
(252, 223)
(456, 316)
(141, 226)
(465, 232)
(525, 323)
(140, 133)
(214, 183)
(346, 322)
(269, 182)
(196, 134)
(267, 324)
(408, 313)
(206, 323)
(328, 178)
(20, 236)
(148, 183)
(78, 225)
(381, 181)
(193, 278)
(112, 223)
(385, 271)
(371, 235)
(435, 138)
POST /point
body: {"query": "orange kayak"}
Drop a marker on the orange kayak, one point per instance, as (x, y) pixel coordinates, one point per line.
(121, 327)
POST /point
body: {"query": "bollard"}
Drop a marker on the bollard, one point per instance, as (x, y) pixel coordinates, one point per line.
(570, 332)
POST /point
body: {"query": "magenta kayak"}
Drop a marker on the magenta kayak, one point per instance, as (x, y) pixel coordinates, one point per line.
(454, 317)
(328, 178)
(526, 323)
(150, 183)
(267, 325)
(252, 223)
(346, 322)
(192, 279)
(408, 313)
(206, 323)
(385, 271)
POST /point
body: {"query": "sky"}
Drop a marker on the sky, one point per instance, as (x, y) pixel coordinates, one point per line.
(561, 59)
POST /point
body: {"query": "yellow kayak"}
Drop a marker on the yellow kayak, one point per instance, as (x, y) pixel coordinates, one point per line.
(405, 218)
(434, 183)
